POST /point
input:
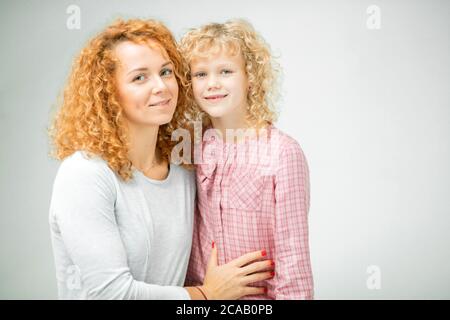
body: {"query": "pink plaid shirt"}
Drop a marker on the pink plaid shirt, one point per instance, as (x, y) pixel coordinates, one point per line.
(254, 195)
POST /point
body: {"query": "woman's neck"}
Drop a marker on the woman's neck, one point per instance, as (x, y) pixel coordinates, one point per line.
(142, 152)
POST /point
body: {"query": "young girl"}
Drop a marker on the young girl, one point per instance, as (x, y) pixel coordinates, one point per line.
(258, 198)
(121, 215)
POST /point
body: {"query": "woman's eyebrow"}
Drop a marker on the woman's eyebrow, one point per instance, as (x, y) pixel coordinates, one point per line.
(146, 69)
(138, 69)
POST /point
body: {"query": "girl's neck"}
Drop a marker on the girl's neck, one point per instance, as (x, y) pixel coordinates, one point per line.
(238, 129)
(233, 121)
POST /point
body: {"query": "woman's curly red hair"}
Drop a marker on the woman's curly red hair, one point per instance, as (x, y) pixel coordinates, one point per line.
(90, 117)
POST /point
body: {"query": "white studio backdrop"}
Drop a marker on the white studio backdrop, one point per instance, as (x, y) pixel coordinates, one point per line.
(365, 90)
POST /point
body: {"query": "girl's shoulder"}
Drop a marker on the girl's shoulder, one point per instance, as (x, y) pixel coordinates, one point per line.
(286, 150)
(284, 141)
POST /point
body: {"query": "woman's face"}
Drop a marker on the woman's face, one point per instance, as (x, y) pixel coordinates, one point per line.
(146, 83)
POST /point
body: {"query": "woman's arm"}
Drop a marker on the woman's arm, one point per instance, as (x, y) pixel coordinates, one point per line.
(293, 278)
(83, 209)
(232, 280)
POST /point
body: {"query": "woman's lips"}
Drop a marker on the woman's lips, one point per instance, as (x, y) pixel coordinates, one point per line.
(216, 97)
(160, 103)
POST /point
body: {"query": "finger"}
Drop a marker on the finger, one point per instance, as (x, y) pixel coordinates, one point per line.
(212, 262)
(254, 290)
(258, 266)
(260, 276)
(247, 258)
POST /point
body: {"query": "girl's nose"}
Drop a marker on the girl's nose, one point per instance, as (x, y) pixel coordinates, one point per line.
(212, 82)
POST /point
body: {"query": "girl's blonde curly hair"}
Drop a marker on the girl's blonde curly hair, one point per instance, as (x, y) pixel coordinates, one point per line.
(90, 117)
(236, 36)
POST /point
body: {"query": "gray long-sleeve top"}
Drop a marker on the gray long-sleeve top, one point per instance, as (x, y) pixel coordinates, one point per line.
(120, 240)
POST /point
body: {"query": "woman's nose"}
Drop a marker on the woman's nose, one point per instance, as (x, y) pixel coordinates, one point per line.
(158, 85)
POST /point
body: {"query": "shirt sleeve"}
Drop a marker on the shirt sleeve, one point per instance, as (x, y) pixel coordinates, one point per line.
(195, 266)
(294, 278)
(83, 207)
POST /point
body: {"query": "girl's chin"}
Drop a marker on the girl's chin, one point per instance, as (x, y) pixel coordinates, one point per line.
(215, 112)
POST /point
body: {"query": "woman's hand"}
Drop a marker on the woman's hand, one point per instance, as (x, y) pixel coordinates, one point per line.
(231, 281)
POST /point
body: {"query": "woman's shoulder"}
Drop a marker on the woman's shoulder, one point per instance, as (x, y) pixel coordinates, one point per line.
(186, 173)
(84, 166)
(182, 175)
(82, 160)
(82, 180)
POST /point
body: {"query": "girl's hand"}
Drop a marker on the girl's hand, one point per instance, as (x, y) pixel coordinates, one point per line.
(231, 281)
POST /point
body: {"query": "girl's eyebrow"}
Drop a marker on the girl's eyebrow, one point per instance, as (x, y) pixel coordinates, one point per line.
(226, 65)
(221, 65)
(197, 66)
(146, 69)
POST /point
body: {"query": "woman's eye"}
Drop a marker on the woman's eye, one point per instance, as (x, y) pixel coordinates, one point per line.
(166, 72)
(140, 77)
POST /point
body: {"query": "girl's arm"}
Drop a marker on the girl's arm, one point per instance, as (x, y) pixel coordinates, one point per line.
(293, 278)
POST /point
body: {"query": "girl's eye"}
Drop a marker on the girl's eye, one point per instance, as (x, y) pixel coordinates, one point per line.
(166, 72)
(140, 77)
(200, 74)
(226, 71)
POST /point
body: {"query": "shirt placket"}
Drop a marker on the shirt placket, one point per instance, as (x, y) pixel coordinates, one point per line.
(218, 234)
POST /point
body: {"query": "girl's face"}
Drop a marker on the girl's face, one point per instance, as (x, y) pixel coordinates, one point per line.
(146, 83)
(220, 85)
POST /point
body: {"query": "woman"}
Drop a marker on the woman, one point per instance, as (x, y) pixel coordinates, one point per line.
(121, 215)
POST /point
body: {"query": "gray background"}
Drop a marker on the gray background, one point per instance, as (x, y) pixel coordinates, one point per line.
(369, 107)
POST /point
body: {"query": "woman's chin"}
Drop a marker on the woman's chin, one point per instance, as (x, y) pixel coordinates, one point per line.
(159, 120)
(162, 120)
